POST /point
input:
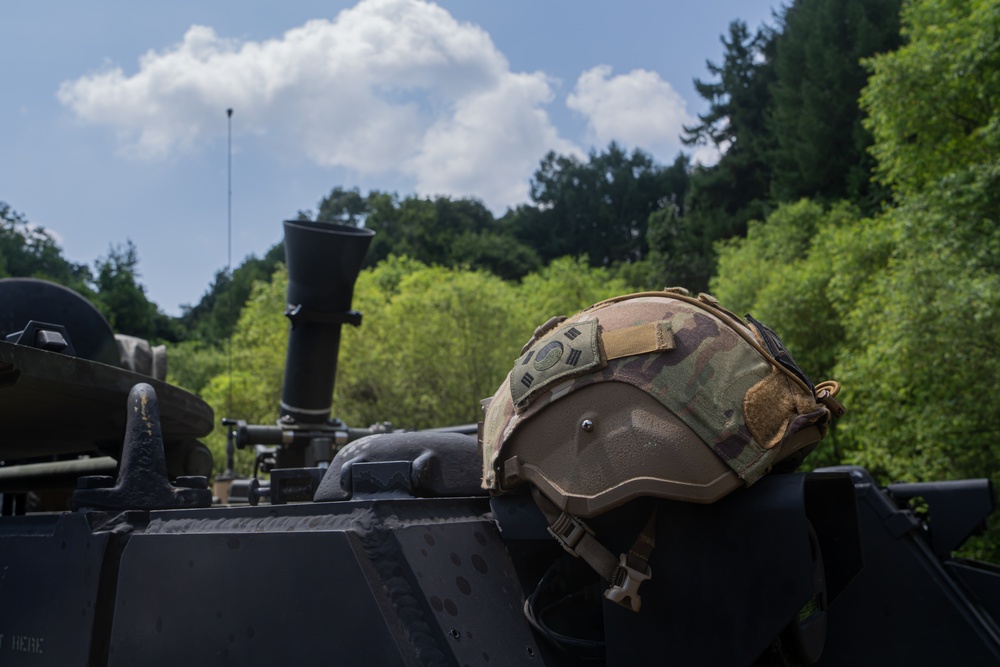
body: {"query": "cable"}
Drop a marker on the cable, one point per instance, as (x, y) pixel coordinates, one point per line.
(587, 650)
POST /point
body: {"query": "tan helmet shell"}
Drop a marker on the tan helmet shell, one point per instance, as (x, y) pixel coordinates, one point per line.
(655, 394)
(569, 454)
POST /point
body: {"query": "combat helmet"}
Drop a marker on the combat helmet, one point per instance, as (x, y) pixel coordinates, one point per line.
(655, 394)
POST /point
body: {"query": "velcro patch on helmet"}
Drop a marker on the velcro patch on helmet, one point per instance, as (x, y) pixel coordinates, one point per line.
(570, 350)
(641, 339)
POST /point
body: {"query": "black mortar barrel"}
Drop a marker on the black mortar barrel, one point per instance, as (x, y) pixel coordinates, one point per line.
(323, 261)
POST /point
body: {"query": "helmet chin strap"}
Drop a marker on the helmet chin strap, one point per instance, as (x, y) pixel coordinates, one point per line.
(625, 573)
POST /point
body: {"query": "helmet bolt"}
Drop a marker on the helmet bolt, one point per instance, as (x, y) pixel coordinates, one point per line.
(587, 425)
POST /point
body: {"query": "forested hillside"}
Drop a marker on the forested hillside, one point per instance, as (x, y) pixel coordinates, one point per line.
(855, 207)
(901, 302)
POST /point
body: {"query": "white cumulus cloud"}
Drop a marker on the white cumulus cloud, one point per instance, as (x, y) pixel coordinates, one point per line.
(638, 109)
(387, 86)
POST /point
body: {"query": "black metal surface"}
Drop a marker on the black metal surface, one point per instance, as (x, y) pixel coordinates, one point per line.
(50, 575)
(25, 299)
(298, 598)
(437, 464)
(727, 578)
(981, 580)
(44, 336)
(294, 485)
(51, 403)
(323, 262)
(384, 478)
(904, 608)
(245, 435)
(142, 482)
(518, 517)
(958, 507)
(475, 599)
(431, 581)
(53, 475)
(417, 582)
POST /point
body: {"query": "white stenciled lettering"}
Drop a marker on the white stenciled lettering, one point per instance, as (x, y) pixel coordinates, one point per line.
(25, 643)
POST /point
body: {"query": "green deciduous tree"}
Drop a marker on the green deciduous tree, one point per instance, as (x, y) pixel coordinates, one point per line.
(436, 231)
(926, 345)
(933, 104)
(598, 208)
(193, 364)
(499, 253)
(903, 308)
(343, 207)
(433, 342)
(253, 391)
(785, 273)
(28, 251)
(432, 350)
(923, 360)
(122, 299)
(564, 287)
(436, 340)
(213, 318)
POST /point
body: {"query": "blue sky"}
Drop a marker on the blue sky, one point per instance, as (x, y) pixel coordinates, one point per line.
(113, 123)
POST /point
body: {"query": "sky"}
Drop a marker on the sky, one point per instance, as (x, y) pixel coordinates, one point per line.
(113, 122)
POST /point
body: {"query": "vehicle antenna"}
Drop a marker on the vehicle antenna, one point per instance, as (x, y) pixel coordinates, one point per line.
(229, 276)
(229, 248)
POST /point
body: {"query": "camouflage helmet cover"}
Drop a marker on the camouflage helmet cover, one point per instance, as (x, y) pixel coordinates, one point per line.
(697, 403)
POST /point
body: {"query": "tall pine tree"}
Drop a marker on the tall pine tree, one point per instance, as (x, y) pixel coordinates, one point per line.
(722, 198)
(820, 145)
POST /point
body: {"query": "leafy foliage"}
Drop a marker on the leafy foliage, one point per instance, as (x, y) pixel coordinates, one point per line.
(598, 208)
(783, 108)
(927, 356)
(433, 342)
(785, 273)
(436, 231)
(193, 364)
(903, 307)
(30, 251)
(933, 104)
(214, 317)
(343, 207)
(123, 300)
(253, 391)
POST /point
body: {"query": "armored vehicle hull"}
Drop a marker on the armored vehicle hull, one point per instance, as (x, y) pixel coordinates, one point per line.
(386, 551)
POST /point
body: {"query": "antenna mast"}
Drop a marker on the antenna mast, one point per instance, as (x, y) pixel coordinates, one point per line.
(229, 249)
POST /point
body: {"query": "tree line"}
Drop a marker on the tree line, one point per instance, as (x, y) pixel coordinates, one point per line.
(782, 109)
(901, 302)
